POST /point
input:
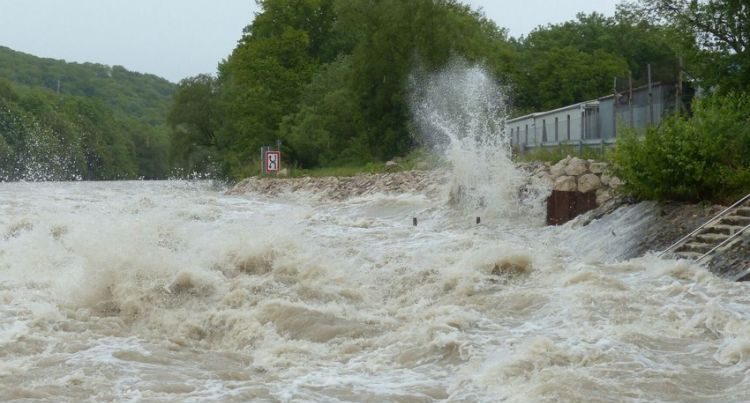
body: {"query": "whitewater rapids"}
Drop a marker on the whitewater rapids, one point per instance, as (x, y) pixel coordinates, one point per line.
(175, 291)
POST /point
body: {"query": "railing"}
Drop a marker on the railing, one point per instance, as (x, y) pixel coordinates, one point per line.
(711, 221)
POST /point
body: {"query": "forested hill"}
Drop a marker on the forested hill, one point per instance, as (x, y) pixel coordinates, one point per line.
(145, 97)
(103, 123)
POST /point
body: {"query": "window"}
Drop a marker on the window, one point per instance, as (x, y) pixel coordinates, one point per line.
(568, 127)
(544, 131)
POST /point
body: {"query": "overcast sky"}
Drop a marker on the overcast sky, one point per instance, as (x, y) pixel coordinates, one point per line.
(180, 38)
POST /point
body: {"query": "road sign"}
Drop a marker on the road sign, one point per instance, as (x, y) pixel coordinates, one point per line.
(272, 161)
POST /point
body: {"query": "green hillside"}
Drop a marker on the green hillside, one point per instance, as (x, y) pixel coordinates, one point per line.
(62, 120)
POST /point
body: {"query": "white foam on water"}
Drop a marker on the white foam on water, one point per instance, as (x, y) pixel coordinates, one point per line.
(168, 291)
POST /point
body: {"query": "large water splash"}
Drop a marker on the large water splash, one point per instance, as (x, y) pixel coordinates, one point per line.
(460, 112)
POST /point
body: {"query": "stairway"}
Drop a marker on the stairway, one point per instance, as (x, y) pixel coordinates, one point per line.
(716, 235)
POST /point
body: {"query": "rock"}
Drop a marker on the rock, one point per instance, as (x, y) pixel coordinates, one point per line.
(576, 167)
(588, 183)
(603, 195)
(283, 172)
(391, 165)
(566, 184)
(615, 182)
(558, 169)
(545, 178)
(597, 167)
(605, 179)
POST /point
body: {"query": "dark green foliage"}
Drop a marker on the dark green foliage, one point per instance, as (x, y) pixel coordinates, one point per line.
(715, 38)
(702, 157)
(144, 97)
(105, 122)
(577, 60)
(193, 119)
(329, 78)
(328, 130)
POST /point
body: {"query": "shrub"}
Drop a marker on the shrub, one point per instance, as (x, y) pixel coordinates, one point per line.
(705, 156)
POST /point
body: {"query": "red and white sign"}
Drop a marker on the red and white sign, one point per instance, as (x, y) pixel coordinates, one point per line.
(272, 160)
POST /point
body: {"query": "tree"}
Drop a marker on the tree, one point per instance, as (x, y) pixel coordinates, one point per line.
(577, 60)
(262, 80)
(193, 119)
(395, 38)
(719, 32)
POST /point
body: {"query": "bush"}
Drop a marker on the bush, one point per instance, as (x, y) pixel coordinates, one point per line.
(705, 156)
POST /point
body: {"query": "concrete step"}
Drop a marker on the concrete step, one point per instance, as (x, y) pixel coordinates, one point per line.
(721, 229)
(694, 246)
(738, 220)
(712, 238)
(743, 211)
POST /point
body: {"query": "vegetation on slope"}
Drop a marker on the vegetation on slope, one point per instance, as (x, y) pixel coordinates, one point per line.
(104, 123)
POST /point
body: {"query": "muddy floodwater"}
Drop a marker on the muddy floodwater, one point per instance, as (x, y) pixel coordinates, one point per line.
(174, 291)
(181, 292)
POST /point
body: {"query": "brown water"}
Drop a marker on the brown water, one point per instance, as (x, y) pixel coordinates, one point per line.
(172, 291)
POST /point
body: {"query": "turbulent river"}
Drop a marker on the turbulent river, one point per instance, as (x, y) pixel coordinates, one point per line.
(173, 291)
(177, 291)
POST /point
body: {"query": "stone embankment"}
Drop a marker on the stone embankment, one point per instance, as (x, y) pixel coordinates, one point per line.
(574, 174)
(343, 187)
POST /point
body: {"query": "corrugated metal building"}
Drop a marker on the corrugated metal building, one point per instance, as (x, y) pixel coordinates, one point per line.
(592, 122)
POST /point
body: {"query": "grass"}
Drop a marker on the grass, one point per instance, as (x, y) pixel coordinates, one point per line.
(413, 160)
(559, 152)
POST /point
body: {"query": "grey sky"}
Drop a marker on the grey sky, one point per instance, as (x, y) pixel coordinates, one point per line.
(180, 38)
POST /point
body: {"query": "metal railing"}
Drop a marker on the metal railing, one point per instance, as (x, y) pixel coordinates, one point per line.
(711, 221)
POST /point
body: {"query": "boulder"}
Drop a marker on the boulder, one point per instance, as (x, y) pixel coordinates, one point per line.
(391, 165)
(615, 182)
(545, 178)
(605, 179)
(597, 167)
(558, 169)
(588, 183)
(576, 167)
(566, 184)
